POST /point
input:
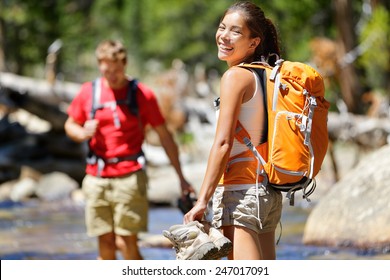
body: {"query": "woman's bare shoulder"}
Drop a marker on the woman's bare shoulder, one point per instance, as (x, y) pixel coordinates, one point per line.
(237, 72)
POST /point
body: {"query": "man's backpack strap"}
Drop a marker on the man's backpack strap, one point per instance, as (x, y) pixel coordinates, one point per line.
(101, 162)
(132, 97)
(131, 102)
(96, 92)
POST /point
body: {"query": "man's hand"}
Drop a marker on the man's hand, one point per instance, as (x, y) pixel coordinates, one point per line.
(90, 127)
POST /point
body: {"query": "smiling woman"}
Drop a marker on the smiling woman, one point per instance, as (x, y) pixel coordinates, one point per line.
(244, 23)
(246, 212)
(234, 39)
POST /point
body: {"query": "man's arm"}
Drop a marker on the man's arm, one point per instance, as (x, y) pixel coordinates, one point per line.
(172, 152)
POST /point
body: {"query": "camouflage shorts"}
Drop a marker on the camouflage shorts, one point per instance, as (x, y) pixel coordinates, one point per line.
(244, 207)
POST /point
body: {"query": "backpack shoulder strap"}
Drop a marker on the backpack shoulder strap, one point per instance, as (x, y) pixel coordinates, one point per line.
(260, 71)
(132, 101)
(132, 97)
(96, 92)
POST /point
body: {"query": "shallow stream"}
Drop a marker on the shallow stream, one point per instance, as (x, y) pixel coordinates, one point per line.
(37, 230)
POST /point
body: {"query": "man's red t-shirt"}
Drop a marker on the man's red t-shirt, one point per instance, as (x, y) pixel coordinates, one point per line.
(113, 140)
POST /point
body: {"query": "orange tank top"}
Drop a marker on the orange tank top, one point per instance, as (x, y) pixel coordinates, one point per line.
(242, 166)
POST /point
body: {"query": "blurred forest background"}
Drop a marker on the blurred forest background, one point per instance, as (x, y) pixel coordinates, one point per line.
(47, 50)
(54, 41)
(338, 33)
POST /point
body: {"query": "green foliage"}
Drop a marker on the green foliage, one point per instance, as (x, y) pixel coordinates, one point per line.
(297, 23)
(375, 39)
(162, 30)
(179, 29)
(25, 35)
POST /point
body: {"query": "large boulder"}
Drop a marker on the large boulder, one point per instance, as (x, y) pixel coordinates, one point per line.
(356, 210)
(55, 186)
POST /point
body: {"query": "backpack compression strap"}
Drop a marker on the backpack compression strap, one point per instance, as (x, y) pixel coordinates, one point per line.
(243, 137)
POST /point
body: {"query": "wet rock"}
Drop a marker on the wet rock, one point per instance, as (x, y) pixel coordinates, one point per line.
(23, 189)
(55, 185)
(5, 190)
(77, 196)
(164, 185)
(154, 241)
(356, 210)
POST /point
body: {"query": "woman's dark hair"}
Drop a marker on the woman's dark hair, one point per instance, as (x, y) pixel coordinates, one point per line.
(259, 26)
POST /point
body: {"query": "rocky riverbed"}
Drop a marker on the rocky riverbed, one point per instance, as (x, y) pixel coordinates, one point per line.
(54, 229)
(49, 207)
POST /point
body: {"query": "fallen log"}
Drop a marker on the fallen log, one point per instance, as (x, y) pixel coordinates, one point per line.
(50, 112)
(51, 93)
(367, 132)
(39, 97)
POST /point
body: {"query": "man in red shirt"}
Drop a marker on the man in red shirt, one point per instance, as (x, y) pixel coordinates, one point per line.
(115, 182)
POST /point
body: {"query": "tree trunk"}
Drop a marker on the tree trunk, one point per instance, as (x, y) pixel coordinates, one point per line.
(351, 90)
(2, 57)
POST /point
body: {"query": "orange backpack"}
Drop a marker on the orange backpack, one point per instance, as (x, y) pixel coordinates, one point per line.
(297, 133)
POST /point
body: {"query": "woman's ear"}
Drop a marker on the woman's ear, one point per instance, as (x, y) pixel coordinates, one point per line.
(255, 42)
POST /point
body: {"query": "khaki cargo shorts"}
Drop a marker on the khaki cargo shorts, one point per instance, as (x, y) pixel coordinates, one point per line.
(116, 204)
(240, 208)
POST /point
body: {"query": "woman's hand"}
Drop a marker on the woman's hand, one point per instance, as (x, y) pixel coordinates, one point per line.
(196, 213)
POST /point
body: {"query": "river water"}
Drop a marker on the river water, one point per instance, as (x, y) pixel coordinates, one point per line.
(36, 230)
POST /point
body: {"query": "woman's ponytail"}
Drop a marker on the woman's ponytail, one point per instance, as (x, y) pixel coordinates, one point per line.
(270, 49)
